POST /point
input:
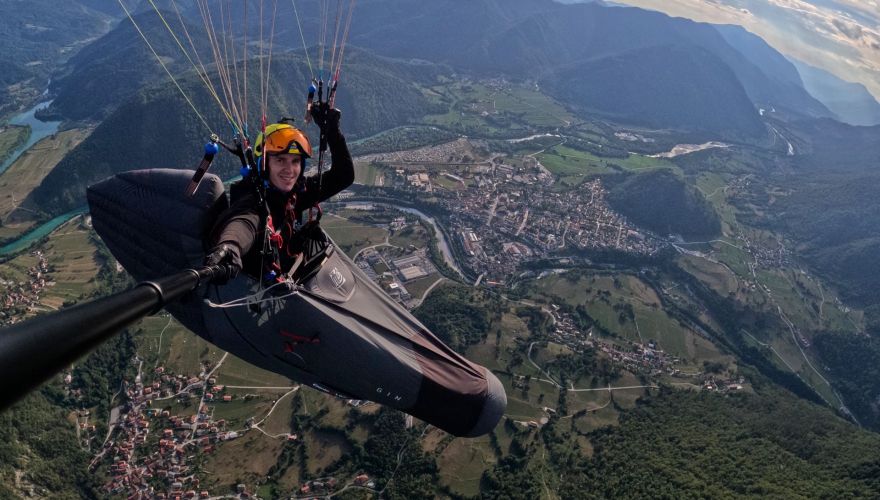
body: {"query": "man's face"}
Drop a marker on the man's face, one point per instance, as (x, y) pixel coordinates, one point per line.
(284, 170)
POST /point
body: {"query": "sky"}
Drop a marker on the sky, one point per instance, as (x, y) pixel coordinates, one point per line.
(839, 36)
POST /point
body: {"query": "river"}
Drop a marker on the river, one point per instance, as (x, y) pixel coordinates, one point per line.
(39, 130)
(442, 243)
(38, 233)
(46, 228)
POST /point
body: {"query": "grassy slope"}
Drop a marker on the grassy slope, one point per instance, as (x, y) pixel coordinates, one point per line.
(26, 174)
(11, 137)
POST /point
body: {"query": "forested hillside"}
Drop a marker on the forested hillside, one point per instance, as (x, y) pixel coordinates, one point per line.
(647, 86)
(854, 362)
(157, 128)
(850, 102)
(83, 90)
(36, 37)
(679, 444)
(663, 203)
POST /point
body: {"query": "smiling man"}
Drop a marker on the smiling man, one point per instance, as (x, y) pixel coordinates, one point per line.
(237, 240)
(284, 170)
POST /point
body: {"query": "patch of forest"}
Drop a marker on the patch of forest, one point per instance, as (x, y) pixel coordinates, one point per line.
(663, 203)
(853, 362)
(739, 445)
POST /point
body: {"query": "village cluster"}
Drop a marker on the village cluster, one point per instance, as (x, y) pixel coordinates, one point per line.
(20, 297)
(506, 213)
(151, 451)
(506, 224)
(646, 359)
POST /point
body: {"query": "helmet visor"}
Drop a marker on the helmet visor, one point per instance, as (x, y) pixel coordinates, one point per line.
(287, 140)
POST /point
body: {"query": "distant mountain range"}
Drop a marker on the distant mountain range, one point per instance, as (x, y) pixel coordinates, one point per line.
(612, 59)
(645, 87)
(117, 66)
(538, 40)
(850, 102)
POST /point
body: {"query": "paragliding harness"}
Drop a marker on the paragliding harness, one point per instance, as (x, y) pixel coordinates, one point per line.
(311, 244)
(308, 243)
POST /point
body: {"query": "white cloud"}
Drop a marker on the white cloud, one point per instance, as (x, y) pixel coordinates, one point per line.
(841, 36)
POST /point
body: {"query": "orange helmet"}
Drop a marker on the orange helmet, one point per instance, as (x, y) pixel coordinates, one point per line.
(282, 138)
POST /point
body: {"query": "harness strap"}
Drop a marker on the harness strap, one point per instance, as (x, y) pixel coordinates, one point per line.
(274, 236)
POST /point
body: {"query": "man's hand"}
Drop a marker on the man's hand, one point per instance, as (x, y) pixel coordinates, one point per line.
(226, 256)
(326, 117)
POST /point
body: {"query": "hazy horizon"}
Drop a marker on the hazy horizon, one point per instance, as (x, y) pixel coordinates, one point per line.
(839, 36)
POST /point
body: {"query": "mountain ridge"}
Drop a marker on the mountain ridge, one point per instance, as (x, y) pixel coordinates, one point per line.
(851, 102)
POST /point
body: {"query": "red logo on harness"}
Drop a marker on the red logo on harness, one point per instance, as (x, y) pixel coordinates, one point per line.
(293, 340)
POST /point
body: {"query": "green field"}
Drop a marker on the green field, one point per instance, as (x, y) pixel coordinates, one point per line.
(716, 276)
(238, 411)
(463, 462)
(418, 287)
(352, 236)
(602, 417)
(637, 163)
(712, 185)
(367, 174)
(158, 338)
(225, 468)
(484, 110)
(786, 296)
(604, 295)
(735, 258)
(525, 407)
(532, 107)
(447, 183)
(413, 234)
(573, 165)
(12, 137)
(503, 338)
(72, 257)
(278, 422)
(236, 371)
(465, 105)
(26, 174)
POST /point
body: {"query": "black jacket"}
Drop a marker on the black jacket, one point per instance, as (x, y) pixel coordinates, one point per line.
(243, 224)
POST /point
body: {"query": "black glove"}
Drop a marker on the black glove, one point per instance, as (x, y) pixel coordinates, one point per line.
(226, 256)
(325, 117)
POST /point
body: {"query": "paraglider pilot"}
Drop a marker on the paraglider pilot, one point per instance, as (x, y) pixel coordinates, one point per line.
(242, 233)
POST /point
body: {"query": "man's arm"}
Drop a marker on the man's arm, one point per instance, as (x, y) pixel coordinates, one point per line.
(232, 237)
(341, 173)
(238, 225)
